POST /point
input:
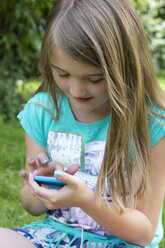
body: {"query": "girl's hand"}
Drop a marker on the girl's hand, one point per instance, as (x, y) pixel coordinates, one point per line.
(75, 193)
(35, 165)
(43, 167)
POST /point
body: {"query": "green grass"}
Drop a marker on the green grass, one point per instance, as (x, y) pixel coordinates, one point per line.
(162, 244)
(12, 154)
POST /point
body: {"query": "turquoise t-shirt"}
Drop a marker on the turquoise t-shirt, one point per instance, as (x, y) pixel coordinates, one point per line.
(69, 141)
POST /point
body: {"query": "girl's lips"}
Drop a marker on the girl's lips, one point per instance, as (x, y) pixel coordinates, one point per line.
(79, 99)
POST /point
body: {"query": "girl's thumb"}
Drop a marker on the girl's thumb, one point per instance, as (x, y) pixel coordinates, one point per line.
(64, 177)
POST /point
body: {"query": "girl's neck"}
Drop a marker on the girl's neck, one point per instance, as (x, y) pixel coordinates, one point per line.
(85, 117)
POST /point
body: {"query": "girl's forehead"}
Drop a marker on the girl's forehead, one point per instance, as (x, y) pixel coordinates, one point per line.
(61, 59)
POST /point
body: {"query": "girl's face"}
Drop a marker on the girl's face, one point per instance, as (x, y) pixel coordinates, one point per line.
(83, 84)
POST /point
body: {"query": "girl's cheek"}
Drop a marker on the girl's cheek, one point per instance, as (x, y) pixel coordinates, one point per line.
(99, 89)
(61, 82)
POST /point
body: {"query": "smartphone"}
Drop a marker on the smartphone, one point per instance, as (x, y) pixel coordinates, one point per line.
(50, 182)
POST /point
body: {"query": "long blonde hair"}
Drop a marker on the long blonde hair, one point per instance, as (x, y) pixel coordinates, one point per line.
(108, 34)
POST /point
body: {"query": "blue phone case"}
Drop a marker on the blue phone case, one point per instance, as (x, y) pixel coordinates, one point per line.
(50, 182)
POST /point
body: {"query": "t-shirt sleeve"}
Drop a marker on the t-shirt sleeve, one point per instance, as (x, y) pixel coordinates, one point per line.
(35, 119)
(157, 126)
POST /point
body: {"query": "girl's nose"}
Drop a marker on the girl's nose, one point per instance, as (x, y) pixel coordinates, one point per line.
(77, 88)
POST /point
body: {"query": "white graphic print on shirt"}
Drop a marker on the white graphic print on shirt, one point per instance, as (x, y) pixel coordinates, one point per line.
(67, 149)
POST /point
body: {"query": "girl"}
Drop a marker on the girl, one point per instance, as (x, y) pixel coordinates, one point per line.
(99, 109)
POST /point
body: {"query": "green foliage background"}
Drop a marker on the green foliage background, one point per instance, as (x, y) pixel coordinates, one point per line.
(152, 14)
(22, 25)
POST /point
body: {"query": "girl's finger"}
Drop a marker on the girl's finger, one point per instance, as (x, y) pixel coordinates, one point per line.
(40, 191)
(45, 202)
(31, 181)
(66, 178)
(37, 191)
(31, 161)
(43, 159)
(23, 174)
(48, 170)
(43, 171)
(72, 169)
(56, 166)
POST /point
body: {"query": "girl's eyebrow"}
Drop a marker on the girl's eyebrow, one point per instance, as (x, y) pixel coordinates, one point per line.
(58, 68)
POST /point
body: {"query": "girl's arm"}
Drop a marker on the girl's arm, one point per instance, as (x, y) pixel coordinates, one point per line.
(29, 201)
(139, 225)
(39, 166)
(135, 226)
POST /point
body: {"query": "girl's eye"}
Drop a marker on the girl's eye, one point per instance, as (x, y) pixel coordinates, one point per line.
(64, 75)
(96, 80)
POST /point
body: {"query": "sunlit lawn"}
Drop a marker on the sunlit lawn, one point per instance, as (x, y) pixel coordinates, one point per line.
(12, 154)
(162, 83)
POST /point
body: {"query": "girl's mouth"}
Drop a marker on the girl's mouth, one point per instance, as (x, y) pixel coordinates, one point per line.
(79, 99)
